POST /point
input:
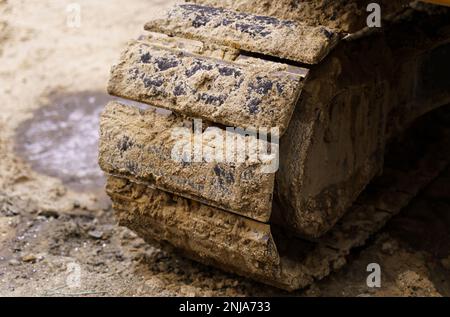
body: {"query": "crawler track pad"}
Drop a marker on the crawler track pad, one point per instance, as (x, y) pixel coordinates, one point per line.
(236, 94)
(259, 34)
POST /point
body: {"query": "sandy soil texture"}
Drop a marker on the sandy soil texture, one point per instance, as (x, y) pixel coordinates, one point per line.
(54, 217)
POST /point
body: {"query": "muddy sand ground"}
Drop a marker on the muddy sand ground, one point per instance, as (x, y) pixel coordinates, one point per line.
(55, 219)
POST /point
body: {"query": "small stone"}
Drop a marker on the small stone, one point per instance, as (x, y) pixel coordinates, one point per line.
(40, 256)
(8, 210)
(29, 258)
(340, 262)
(21, 178)
(48, 213)
(154, 284)
(128, 235)
(14, 262)
(96, 234)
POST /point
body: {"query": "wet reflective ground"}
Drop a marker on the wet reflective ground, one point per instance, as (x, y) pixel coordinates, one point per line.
(61, 139)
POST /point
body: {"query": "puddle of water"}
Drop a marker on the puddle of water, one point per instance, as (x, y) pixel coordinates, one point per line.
(61, 139)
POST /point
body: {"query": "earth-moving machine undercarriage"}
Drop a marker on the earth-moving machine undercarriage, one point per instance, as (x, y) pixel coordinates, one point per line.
(266, 122)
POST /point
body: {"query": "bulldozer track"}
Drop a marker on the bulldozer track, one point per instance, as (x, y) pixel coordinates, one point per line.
(337, 103)
(270, 255)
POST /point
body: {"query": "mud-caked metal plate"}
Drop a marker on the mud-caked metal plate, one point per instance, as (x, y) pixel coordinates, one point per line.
(210, 235)
(259, 34)
(258, 95)
(159, 150)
